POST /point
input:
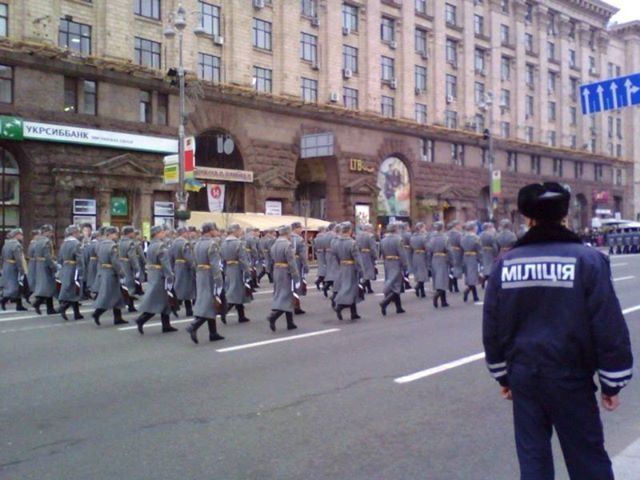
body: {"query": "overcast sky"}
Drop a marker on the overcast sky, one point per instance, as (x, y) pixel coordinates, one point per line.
(629, 10)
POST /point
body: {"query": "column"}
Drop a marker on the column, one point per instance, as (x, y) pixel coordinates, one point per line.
(104, 205)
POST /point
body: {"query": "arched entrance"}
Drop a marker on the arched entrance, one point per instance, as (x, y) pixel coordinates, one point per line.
(394, 194)
(311, 192)
(9, 192)
(217, 148)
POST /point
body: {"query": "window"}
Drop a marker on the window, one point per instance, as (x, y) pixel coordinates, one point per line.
(309, 90)
(478, 24)
(145, 106)
(163, 109)
(578, 169)
(572, 29)
(505, 69)
(350, 17)
(574, 88)
(451, 51)
(610, 69)
(573, 141)
(421, 113)
(529, 74)
(317, 145)
(535, 164)
(387, 106)
(6, 84)
(610, 126)
(528, 106)
(75, 36)
(208, 67)
(421, 40)
(504, 34)
(90, 98)
(505, 129)
(388, 29)
(598, 172)
(551, 139)
(618, 150)
(558, 167)
(426, 149)
(261, 34)
(619, 128)
(457, 154)
(210, 15)
(147, 53)
(552, 111)
(610, 148)
(619, 181)
(478, 93)
(450, 15)
(479, 63)
(421, 78)
(528, 42)
(421, 6)
(308, 8)
(4, 20)
(350, 58)
(350, 98)
(450, 119)
(551, 28)
(504, 6)
(618, 71)
(309, 47)
(572, 58)
(262, 79)
(478, 122)
(573, 116)
(592, 64)
(452, 86)
(147, 8)
(551, 50)
(9, 191)
(505, 99)
(388, 69)
(70, 95)
(528, 16)
(528, 134)
(552, 80)
(512, 161)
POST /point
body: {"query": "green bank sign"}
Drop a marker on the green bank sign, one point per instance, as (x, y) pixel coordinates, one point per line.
(14, 128)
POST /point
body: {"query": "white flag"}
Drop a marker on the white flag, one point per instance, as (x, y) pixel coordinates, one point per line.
(215, 195)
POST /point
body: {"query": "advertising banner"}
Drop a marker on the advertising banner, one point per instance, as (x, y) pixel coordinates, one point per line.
(215, 196)
(394, 198)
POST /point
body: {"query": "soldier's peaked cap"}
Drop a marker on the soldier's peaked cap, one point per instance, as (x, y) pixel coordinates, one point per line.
(128, 230)
(470, 225)
(544, 201)
(208, 227)
(46, 228)
(110, 230)
(155, 230)
(284, 229)
(14, 232)
(296, 225)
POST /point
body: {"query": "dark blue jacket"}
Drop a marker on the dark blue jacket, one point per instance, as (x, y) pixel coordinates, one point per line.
(551, 307)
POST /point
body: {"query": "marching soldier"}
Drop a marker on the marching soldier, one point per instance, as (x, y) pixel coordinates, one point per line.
(72, 273)
(31, 263)
(395, 264)
(471, 248)
(455, 251)
(208, 284)
(300, 251)
(330, 258)
(14, 268)
(489, 250)
(349, 293)
(127, 252)
(366, 242)
(45, 274)
(419, 259)
(182, 264)
(285, 278)
(506, 239)
(90, 262)
(236, 270)
(405, 233)
(440, 263)
(264, 244)
(108, 279)
(161, 278)
(320, 255)
(250, 243)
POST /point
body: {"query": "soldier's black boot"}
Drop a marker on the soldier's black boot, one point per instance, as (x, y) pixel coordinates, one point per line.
(325, 289)
(339, 311)
(166, 324)
(3, 303)
(19, 306)
(193, 327)
(214, 336)
(384, 303)
(242, 318)
(465, 295)
(131, 307)
(141, 320)
(416, 289)
(450, 284)
(369, 289)
(398, 302)
(333, 299)
(76, 311)
(117, 317)
(39, 301)
(455, 285)
(318, 282)
(50, 309)
(64, 306)
(290, 324)
(424, 292)
(273, 316)
(299, 311)
(188, 307)
(96, 315)
(443, 297)
(270, 277)
(354, 312)
(474, 290)
(435, 298)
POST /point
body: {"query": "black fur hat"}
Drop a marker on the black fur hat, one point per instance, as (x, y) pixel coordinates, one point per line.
(544, 201)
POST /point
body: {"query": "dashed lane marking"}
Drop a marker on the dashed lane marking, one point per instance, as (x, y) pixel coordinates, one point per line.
(622, 279)
(440, 368)
(277, 340)
(31, 317)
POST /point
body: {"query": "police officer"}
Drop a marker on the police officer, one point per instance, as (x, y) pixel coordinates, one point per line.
(472, 249)
(127, 252)
(208, 283)
(14, 268)
(489, 249)
(366, 242)
(183, 266)
(506, 239)
(395, 264)
(71, 276)
(110, 274)
(285, 278)
(350, 273)
(236, 266)
(455, 251)
(440, 255)
(318, 248)
(45, 273)
(419, 259)
(300, 251)
(551, 321)
(161, 279)
(635, 242)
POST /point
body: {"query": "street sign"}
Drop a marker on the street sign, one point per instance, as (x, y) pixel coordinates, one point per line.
(610, 94)
(496, 183)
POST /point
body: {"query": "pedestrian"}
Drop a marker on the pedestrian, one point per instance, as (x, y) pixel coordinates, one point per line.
(184, 268)
(110, 274)
(441, 256)
(472, 250)
(209, 285)
(455, 254)
(160, 283)
(236, 266)
(395, 264)
(489, 250)
(14, 269)
(45, 273)
(551, 322)
(300, 251)
(419, 259)
(72, 271)
(128, 254)
(351, 291)
(285, 279)
(366, 242)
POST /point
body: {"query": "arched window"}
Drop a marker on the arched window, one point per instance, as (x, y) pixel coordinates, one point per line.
(9, 192)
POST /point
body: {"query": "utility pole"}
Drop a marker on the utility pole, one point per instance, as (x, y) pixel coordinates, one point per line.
(488, 135)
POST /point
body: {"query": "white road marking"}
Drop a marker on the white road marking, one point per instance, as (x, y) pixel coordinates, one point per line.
(31, 317)
(478, 303)
(631, 309)
(277, 340)
(625, 464)
(440, 368)
(42, 327)
(622, 279)
(619, 264)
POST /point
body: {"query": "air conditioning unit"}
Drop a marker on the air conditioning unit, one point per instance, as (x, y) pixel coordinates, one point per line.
(393, 44)
(258, 3)
(419, 91)
(393, 83)
(346, 31)
(218, 40)
(450, 98)
(347, 73)
(593, 71)
(333, 97)
(315, 22)
(315, 65)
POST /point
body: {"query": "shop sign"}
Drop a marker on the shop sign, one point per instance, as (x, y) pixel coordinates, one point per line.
(81, 219)
(163, 209)
(189, 156)
(273, 207)
(84, 206)
(601, 197)
(359, 166)
(603, 211)
(171, 171)
(212, 173)
(496, 183)
(11, 128)
(119, 206)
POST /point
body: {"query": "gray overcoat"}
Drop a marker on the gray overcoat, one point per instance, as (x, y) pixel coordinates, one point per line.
(472, 249)
(489, 251)
(285, 274)
(264, 244)
(455, 252)
(440, 260)
(331, 259)
(72, 271)
(90, 264)
(318, 247)
(45, 269)
(368, 253)
(236, 269)
(419, 257)
(183, 266)
(506, 239)
(350, 271)
(208, 277)
(395, 262)
(108, 278)
(159, 273)
(13, 267)
(130, 264)
(31, 262)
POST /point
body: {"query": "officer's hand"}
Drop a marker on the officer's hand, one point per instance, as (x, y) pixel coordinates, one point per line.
(506, 393)
(610, 403)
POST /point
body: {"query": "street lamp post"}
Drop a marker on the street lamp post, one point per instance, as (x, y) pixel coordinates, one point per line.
(488, 106)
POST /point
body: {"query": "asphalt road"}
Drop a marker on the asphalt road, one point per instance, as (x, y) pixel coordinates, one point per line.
(86, 402)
